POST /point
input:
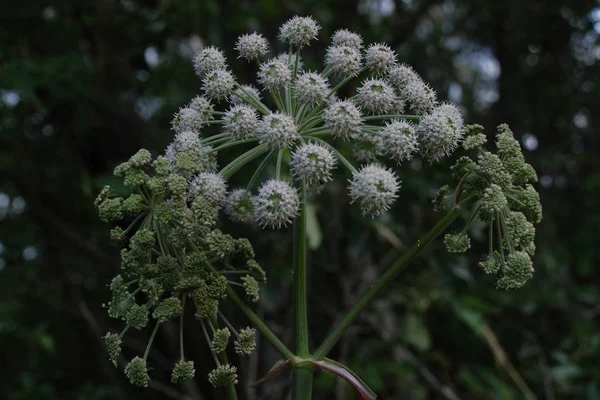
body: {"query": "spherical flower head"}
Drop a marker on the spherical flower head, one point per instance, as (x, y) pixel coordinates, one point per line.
(492, 263)
(183, 371)
(344, 61)
(343, 118)
(276, 204)
(519, 269)
(252, 46)
(376, 96)
(239, 206)
(374, 188)
(277, 130)
(186, 141)
(380, 58)
(400, 75)
(246, 341)
(187, 119)
(299, 31)
(520, 230)
(399, 140)
(274, 74)
(223, 375)
(244, 94)
(207, 60)
(209, 185)
(457, 242)
(137, 316)
(203, 106)
(220, 340)
(419, 95)
(344, 37)
(240, 121)
(311, 88)
(313, 163)
(440, 131)
(218, 84)
(137, 372)
(113, 347)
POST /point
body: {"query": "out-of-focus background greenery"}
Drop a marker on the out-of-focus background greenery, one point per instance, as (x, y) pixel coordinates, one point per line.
(84, 84)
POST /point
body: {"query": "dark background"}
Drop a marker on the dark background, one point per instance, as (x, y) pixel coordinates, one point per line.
(84, 84)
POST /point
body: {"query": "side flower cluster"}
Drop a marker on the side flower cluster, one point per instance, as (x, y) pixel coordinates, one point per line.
(500, 186)
(172, 256)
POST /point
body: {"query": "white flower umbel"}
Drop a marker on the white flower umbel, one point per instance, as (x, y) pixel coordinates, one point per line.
(239, 206)
(312, 162)
(209, 185)
(440, 131)
(400, 75)
(380, 58)
(218, 84)
(344, 37)
(344, 61)
(186, 141)
(277, 130)
(240, 121)
(399, 140)
(207, 60)
(290, 60)
(311, 88)
(420, 97)
(374, 188)
(299, 31)
(343, 118)
(252, 46)
(376, 96)
(274, 74)
(276, 204)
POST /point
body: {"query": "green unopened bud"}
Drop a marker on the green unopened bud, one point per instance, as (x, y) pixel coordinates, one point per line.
(220, 340)
(507, 145)
(439, 202)
(162, 166)
(117, 237)
(217, 287)
(244, 249)
(528, 201)
(117, 307)
(183, 371)
(457, 242)
(151, 287)
(204, 212)
(490, 166)
(121, 169)
(207, 308)
(140, 159)
(493, 202)
(519, 229)
(135, 177)
(113, 347)
(463, 166)
(196, 264)
(474, 137)
(246, 341)
(102, 196)
(177, 184)
(137, 372)
(256, 271)
(133, 205)
(137, 316)
(168, 309)
(222, 245)
(110, 210)
(142, 241)
(251, 288)
(223, 375)
(491, 264)
(519, 269)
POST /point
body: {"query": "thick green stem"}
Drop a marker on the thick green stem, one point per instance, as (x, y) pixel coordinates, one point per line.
(302, 377)
(384, 281)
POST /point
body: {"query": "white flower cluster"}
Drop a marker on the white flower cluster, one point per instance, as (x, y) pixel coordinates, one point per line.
(296, 117)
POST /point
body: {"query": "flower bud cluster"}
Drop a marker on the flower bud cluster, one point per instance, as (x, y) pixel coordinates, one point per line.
(499, 186)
